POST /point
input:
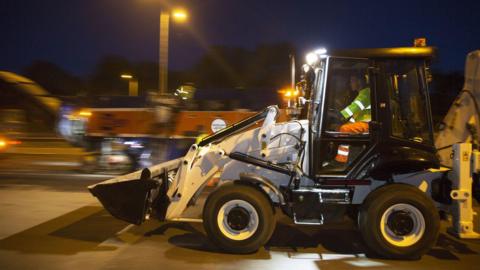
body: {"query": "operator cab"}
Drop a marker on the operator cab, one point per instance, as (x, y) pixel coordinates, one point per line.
(369, 112)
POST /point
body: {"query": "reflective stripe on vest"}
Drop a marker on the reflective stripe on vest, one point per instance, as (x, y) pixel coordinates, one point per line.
(342, 153)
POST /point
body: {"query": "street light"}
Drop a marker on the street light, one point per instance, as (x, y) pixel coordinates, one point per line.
(132, 84)
(126, 76)
(178, 15)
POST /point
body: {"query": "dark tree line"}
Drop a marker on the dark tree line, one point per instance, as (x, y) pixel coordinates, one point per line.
(266, 66)
(55, 79)
(220, 67)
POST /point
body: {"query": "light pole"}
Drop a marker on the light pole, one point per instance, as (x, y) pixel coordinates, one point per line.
(132, 84)
(179, 15)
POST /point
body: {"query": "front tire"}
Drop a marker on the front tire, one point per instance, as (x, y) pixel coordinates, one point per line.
(399, 222)
(238, 218)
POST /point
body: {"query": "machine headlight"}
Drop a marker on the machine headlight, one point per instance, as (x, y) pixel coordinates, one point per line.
(312, 58)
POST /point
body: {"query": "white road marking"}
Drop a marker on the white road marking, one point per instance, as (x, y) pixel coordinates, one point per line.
(365, 263)
(116, 239)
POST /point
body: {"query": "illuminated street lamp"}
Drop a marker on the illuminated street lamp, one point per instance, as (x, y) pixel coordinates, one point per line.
(126, 76)
(178, 15)
(132, 84)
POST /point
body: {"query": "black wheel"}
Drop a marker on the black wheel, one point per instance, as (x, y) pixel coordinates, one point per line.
(399, 222)
(238, 218)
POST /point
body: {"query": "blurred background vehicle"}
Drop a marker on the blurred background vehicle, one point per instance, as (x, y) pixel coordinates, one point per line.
(125, 133)
(25, 107)
(121, 133)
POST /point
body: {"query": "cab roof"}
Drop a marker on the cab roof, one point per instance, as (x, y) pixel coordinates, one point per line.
(398, 52)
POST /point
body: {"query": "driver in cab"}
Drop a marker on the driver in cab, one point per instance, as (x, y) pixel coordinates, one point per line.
(358, 112)
(357, 115)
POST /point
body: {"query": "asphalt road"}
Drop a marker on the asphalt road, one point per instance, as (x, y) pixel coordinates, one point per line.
(52, 222)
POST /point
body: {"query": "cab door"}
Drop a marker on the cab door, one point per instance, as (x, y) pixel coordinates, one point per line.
(344, 132)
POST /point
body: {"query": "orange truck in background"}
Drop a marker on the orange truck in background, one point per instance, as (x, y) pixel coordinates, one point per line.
(120, 122)
(140, 136)
(140, 122)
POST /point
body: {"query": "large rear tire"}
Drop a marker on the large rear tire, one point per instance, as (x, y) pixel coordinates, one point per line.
(238, 218)
(398, 221)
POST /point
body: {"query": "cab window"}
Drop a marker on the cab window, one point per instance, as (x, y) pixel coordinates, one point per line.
(408, 101)
(346, 116)
(348, 107)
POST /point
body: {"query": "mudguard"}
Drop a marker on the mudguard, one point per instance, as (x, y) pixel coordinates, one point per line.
(260, 180)
(402, 160)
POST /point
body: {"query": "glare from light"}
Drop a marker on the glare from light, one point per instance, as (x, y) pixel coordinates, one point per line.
(85, 113)
(320, 51)
(289, 93)
(2, 143)
(126, 76)
(312, 58)
(179, 15)
(306, 68)
(133, 144)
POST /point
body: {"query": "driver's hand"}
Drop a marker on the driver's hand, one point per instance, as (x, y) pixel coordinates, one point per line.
(335, 119)
(337, 116)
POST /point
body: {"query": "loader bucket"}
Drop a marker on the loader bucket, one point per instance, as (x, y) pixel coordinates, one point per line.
(130, 197)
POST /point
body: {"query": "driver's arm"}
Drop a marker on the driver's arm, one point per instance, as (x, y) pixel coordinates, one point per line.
(360, 103)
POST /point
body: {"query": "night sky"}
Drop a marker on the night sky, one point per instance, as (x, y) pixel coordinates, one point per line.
(75, 34)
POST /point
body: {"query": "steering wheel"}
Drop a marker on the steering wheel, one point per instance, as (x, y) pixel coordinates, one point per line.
(335, 117)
